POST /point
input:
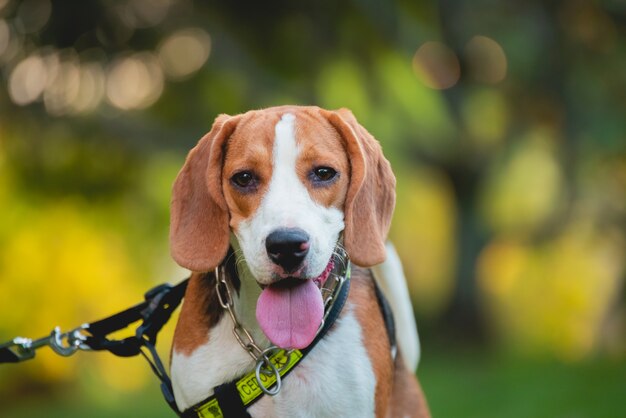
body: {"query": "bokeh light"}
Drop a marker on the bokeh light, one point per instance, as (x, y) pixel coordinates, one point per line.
(72, 81)
(92, 85)
(486, 60)
(436, 65)
(134, 82)
(143, 13)
(184, 52)
(63, 84)
(589, 24)
(28, 80)
(32, 15)
(10, 43)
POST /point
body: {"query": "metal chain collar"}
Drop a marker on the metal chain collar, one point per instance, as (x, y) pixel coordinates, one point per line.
(264, 365)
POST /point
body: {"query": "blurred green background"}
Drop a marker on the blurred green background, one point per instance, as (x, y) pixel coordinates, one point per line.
(505, 123)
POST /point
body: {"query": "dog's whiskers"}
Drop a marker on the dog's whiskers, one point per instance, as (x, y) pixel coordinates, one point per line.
(339, 254)
(239, 258)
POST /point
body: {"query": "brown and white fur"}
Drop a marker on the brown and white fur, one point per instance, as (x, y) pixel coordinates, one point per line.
(351, 372)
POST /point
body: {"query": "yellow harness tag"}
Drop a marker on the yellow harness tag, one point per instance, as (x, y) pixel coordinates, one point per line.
(210, 409)
(248, 387)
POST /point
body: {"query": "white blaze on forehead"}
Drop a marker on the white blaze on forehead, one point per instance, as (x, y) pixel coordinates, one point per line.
(285, 147)
(288, 204)
(286, 190)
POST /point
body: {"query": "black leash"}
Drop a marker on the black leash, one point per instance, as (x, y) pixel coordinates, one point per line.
(154, 312)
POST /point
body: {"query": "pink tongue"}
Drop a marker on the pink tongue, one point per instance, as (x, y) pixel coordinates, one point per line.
(290, 315)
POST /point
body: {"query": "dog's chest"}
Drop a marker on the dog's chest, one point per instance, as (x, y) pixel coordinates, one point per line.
(336, 379)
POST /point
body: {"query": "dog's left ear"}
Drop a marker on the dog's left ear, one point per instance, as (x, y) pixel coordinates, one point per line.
(199, 232)
(371, 194)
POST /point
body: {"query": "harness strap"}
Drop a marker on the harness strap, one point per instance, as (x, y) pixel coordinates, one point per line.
(390, 324)
(160, 302)
(230, 402)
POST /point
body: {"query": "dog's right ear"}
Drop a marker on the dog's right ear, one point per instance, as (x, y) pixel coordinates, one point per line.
(199, 230)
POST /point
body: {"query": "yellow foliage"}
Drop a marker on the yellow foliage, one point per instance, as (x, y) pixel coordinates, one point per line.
(57, 268)
(486, 117)
(508, 260)
(522, 193)
(553, 297)
(423, 231)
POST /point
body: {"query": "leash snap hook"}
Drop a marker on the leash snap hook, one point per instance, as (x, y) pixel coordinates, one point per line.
(74, 340)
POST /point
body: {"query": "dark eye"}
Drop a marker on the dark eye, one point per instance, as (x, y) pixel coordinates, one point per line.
(323, 174)
(243, 179)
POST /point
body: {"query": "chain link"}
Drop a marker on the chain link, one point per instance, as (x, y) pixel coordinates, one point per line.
(264, 365)
(242, 335)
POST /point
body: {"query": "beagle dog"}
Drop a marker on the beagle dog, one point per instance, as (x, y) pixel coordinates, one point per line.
(275, 200)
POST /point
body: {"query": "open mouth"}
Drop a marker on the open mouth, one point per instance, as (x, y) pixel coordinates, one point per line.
(290, 311)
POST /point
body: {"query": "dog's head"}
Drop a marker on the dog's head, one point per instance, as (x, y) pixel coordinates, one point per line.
(287, 182)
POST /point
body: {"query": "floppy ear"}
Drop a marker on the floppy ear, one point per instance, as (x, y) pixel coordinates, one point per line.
(371, 194)
(199, 231)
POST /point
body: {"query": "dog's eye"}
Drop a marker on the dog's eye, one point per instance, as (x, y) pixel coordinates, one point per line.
(243, 179)
(324, 174)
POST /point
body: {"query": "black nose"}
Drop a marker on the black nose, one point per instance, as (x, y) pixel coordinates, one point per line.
(287, 247)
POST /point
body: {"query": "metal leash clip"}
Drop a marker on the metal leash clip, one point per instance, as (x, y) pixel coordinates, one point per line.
(63, 343)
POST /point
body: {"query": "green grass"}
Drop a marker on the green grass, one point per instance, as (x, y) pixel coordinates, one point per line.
(467, 384)
(146, 403)
(457, 383)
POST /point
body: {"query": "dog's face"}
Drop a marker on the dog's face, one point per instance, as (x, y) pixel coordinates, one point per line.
(285, 180)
